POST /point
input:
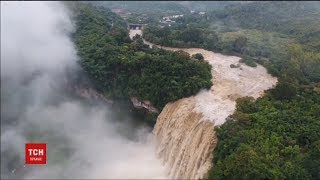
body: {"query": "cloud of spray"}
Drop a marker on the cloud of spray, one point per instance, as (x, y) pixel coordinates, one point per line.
(83, 140)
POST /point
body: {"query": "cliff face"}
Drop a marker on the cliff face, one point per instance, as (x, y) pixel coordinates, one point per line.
(184, 140)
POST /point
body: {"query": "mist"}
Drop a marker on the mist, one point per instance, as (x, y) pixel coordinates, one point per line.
(84, 138)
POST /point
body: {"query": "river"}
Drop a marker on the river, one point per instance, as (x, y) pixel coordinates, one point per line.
(228, 83)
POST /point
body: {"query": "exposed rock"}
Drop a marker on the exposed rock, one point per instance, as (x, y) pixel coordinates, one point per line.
(235, 65)
(143, 104)
(90, 93)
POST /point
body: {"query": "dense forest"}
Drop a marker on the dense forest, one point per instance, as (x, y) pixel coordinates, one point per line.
(275, 137)
(123, 68)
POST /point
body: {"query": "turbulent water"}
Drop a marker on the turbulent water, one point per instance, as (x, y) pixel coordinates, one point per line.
(184, 132)
(184, 141)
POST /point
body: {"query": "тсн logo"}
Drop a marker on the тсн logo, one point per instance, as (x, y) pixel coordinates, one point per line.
(36, 153)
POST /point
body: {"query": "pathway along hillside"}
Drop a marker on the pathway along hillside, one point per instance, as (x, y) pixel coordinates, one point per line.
(184, 132)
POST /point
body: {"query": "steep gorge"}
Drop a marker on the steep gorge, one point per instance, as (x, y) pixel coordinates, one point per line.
(184, 132)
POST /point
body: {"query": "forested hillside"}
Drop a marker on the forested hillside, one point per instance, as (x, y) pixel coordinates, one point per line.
(123, 68)
(297, 19)
(263, 32)
(147, 7)
(146, 11)
(207, 5)
(277, 136)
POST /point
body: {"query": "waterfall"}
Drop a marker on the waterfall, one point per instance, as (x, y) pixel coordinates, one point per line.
(184, 141)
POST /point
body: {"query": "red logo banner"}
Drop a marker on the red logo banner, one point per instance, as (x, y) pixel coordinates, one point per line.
(36, 153)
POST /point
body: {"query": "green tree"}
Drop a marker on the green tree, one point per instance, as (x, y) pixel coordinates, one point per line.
(284, 90)
(239, 43)
(198, 56)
